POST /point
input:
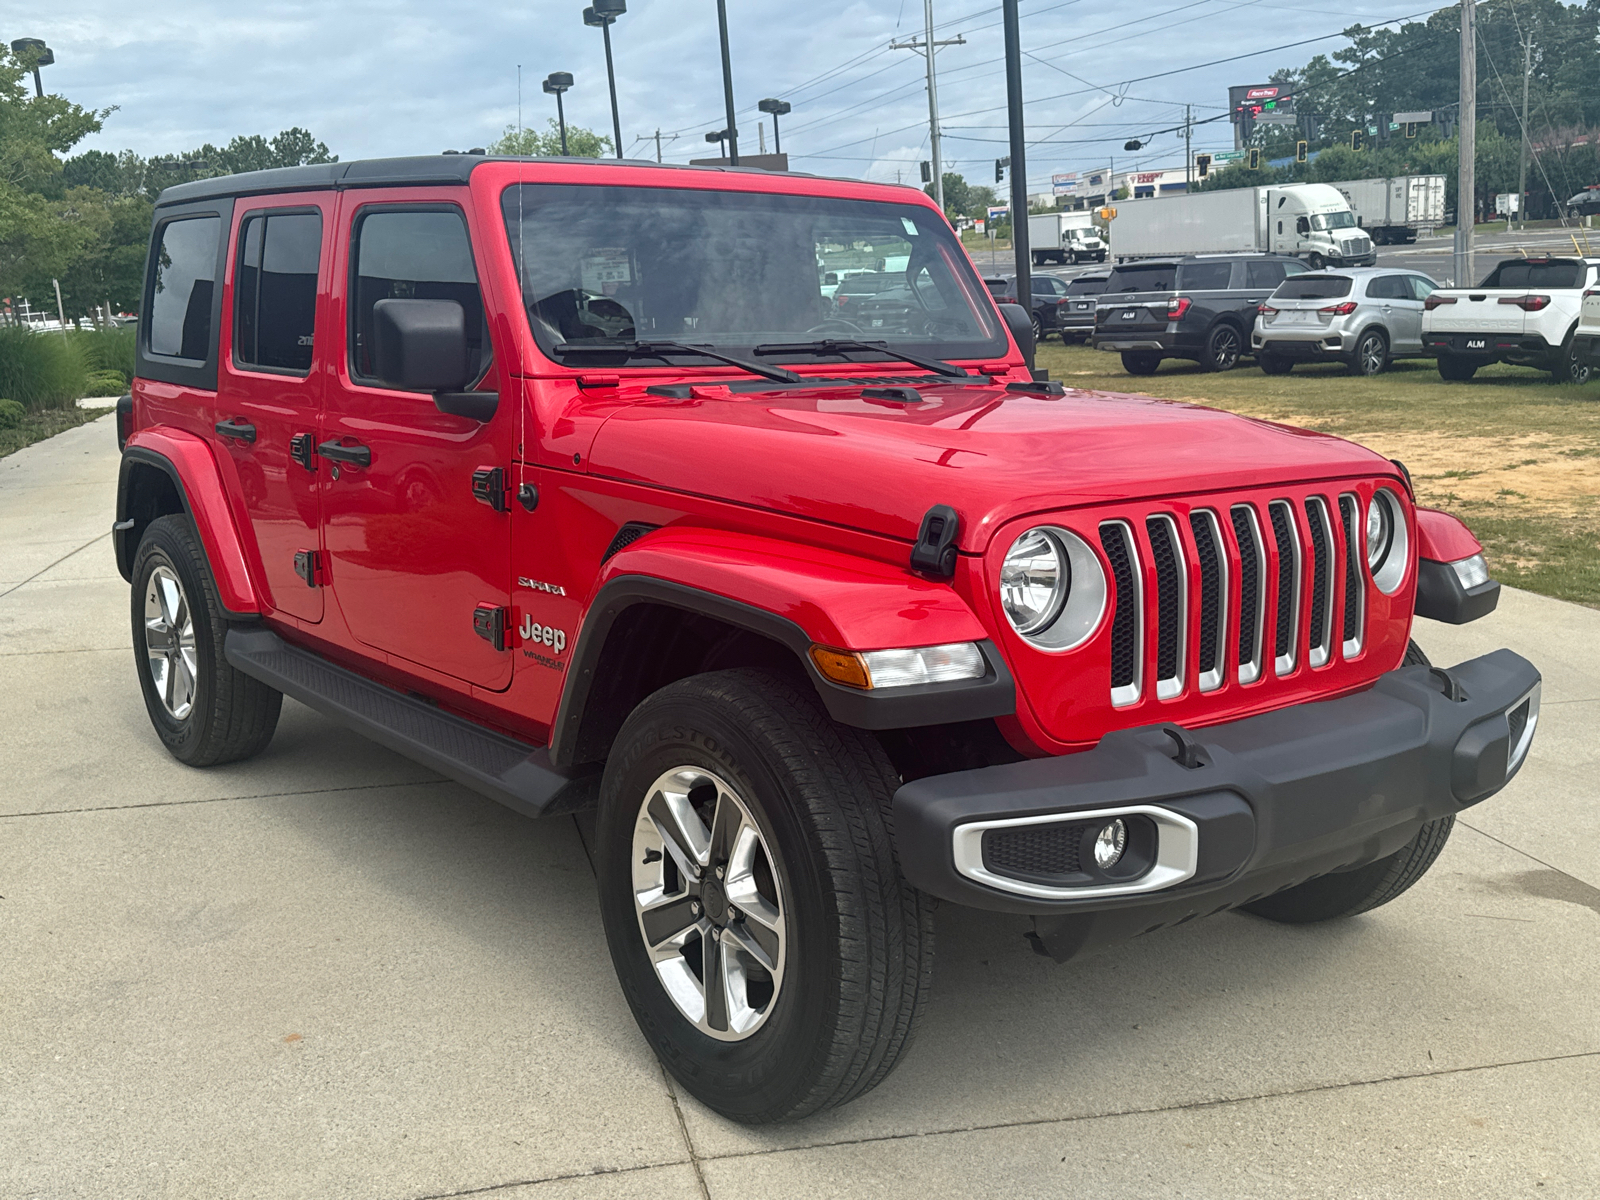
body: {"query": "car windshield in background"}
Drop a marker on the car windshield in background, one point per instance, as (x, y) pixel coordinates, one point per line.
(1519, 273)
(1086, 287)
(1338, 220)
(1313, 287)
(1152, 277)
(1202, 277)
(602, 267)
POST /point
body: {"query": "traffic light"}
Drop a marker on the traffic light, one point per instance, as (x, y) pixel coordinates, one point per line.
(1358, 139)
(1202, 165)
(927, 172)
(1000, 165)
(1300, 154)
(1108, 214)
(1411, 129)
(1255, 159)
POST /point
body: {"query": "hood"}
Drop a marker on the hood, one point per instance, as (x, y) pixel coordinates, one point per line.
(876, 465)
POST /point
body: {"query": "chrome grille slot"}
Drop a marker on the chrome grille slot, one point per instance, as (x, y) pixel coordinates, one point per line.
(1354, 576)
(1252, 592)
(1287, 625)
(1172, 609)
(1127, 621)
(1321, 581)
(1213, 661)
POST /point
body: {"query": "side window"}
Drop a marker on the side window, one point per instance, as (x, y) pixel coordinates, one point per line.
(413, 254)
(1382, 288)
(1422, 288)
(185, 282)
(1264, 274)
(275, 290)
(1302, 226)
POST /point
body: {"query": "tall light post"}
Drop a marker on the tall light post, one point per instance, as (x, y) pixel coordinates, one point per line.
(40, 55)
(555, 83)
(1019, 160)
(720, 137)
(727, 83)
(601, 15)
(777, 108)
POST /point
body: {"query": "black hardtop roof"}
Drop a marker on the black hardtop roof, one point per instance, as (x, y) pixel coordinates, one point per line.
(434, 169)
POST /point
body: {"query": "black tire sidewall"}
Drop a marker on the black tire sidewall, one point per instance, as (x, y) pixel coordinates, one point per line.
(1358, 363)
(1213, 349)
(167, 542)
(745, 1079)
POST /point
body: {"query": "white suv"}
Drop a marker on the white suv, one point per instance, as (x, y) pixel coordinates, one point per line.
(1586, 342)
(1525, 312)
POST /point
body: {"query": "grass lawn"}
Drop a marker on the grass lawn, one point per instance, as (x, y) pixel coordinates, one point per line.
(1514, 455)
(38, 424)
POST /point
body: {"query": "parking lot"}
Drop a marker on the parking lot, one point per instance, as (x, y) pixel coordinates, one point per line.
(326, 972)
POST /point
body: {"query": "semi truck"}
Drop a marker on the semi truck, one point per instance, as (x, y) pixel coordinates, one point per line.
(1312, 221)
(1065, 237)
(1395, 209)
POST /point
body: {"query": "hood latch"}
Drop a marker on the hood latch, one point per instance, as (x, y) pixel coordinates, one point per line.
(934, 555)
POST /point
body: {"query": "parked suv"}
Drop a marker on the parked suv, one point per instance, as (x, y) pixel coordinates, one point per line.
(1200, 308)
(1076, 310)
(1361, 317)
(565, 479)
(1586, 340)
(1049, 292)
(1526, 312)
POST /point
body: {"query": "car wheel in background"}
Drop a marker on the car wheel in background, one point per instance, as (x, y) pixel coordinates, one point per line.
(1570, 368)
(1272, 364)
(1316, 262)
(1038, 329)
(1456, 369)
(1372, 354)
(1140, 362)
(1223, 347)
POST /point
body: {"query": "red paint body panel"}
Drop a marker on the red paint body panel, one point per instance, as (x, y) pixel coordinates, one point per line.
(1444, 538)
(208, 505)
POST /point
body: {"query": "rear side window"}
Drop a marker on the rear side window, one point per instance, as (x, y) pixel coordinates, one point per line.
(1421, 287)
(185, 282)
(1264, 274)
(1086, 287)
(1313, 287)
(1153, 277)
(1388, 287)
(413, 255)
(1561, 273)
(1204, 277)
(275, 290)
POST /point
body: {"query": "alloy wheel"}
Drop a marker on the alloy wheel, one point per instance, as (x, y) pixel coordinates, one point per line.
(1370, 356)
(169, 642)
(1224, 349)
(710, 908)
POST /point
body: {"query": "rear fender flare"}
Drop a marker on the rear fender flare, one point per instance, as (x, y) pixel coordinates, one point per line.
(187, 461)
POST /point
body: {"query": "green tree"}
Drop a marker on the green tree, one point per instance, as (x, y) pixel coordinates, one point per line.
(963, 199)
(533, 143)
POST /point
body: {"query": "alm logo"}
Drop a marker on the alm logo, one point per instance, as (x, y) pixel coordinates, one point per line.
(544, 635)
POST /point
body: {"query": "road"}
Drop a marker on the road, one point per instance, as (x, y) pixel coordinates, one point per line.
(327, 972)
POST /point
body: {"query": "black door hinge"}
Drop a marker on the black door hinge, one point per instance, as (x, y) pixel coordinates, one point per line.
(489, 487)
(934, 555)
(303, 449)
(492, 624)
(308, 565)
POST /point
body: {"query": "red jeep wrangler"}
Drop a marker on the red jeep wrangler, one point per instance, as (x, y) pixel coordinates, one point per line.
(568, 480)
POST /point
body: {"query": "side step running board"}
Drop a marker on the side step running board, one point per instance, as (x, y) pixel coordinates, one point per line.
(517, 774)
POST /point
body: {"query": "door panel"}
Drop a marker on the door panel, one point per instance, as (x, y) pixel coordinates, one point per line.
(268, 395)
(411, 552)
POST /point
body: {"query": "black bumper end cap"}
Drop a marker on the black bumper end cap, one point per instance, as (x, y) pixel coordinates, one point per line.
(1440, 596)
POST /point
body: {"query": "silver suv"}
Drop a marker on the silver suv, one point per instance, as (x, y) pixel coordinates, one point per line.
(1362, 317)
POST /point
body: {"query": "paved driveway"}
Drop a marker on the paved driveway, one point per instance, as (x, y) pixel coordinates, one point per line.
(327, 973)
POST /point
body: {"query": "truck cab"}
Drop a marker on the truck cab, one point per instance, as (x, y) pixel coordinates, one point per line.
(1314, 222)
(572, 482)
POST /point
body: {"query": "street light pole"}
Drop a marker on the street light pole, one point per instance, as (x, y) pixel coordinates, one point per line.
(602, 14)
(556, 83)
(1019, 160)
(777, 108)
(42, 56)
(727, 82)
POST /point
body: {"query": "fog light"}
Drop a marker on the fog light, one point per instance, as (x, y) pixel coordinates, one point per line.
(1109, 844)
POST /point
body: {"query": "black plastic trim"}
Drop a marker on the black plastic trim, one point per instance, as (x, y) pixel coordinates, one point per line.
(1440, 596)
(994, 695)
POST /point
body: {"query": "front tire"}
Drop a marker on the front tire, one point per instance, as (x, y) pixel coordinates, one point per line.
(1347, 893)
(205, 712)
(744, 839)
(1316, 262)
(1140, 362)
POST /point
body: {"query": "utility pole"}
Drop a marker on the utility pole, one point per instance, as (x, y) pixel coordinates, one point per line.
(1522, 157)
(1466, 180)
(926, 47)
(1188, 152)
(1019, 160)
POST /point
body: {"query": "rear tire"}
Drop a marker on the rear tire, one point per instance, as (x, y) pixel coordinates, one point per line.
(1316, 262)
(1224, 345)
(1457, 370)
(1272, 364)
(1569, 367)
(1371, 355)
(851, 942)
(1347, 893)
(205, 712)
(1140, 362)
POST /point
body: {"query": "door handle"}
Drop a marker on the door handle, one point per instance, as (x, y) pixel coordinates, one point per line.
(239, 430)
(357, 455)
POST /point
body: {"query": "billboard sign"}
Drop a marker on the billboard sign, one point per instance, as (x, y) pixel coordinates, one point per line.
(1064, 184)
(1269, 103)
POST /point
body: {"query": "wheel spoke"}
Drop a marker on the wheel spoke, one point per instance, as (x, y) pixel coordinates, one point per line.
(157, 636)
(749, 939)
(667, 920)
(726, 825)
(715, 982)
(171, 597)
(183, 687)
(681, 830)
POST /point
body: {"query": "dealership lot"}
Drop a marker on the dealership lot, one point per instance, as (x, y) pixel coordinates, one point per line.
(328, 972)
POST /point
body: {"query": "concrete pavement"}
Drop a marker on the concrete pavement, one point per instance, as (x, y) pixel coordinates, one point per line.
(326, 972)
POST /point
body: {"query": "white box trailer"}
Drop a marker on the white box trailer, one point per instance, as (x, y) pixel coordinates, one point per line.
(1065, 237)
(1311, 221)
(1397, 208)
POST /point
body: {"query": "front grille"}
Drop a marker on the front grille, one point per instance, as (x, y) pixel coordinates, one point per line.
(1197, 631)
(1037, 853)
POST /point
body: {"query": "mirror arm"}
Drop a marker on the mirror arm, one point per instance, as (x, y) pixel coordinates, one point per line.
(476, 406)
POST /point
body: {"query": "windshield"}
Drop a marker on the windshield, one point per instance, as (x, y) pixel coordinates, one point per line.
(1338, 220)
(738, 269)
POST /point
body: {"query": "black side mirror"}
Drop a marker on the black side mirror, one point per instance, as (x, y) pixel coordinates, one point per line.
(420, 345)
(1020, 322)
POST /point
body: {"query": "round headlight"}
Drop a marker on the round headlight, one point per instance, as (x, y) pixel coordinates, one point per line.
(1033, 581)
(1380, 531)
(1388, 542)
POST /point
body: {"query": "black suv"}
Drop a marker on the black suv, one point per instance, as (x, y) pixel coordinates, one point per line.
(1076, 319)
(1049, 296)
(1201, 307)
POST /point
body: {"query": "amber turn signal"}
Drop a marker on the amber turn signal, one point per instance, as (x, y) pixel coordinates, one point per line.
(841, 666)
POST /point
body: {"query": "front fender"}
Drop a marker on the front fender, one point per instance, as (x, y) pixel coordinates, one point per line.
(187, 461)
(1441, 593)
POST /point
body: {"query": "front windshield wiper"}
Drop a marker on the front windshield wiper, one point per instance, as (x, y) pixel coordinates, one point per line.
(840, 346)
(662, 349)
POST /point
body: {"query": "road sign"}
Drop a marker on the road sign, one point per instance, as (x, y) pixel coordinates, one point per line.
(1227, 156)
(1414, 118)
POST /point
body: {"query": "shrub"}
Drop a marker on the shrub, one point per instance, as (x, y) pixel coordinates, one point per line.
(107, 350)
(105, 383)
(11, 414)
(40, 370)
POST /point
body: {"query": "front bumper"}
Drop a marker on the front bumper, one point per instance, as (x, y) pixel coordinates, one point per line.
(1224, 815)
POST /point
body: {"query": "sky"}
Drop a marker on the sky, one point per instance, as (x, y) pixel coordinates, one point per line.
(420, 76)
